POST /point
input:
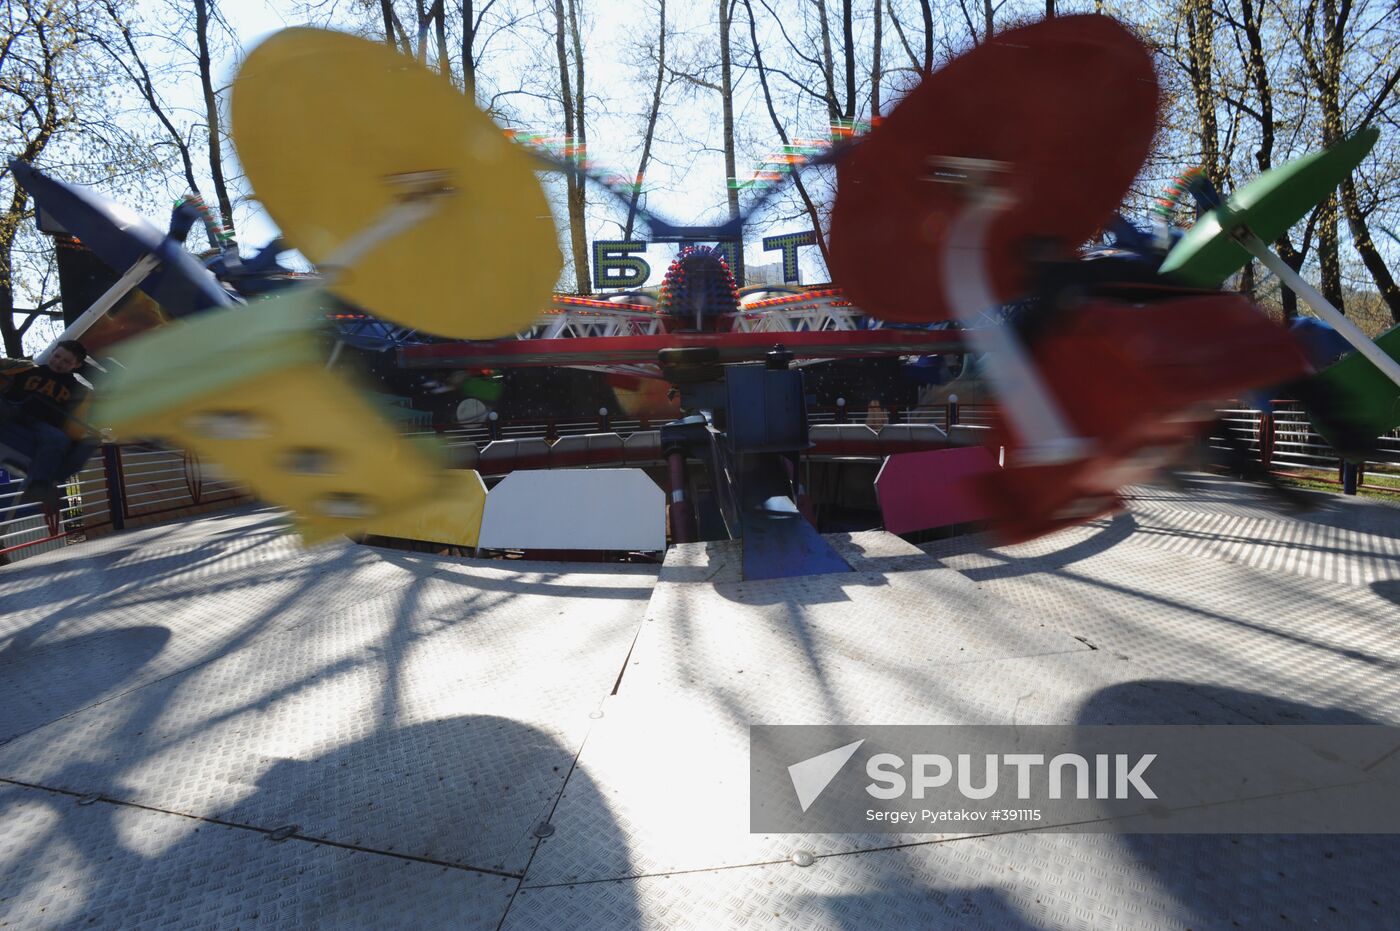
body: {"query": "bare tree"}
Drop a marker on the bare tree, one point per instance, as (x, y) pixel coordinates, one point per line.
(1322, 41)
(129, 59)
(54, 103)
(652, 113)
(726, 95)
(875, 52)
(578, 230)
(1200, 64)
(808, 203)
(211, 114)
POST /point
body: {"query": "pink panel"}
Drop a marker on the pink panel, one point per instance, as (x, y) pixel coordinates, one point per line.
(921, 491)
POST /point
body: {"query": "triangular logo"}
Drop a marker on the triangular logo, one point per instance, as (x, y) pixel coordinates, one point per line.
(811, 777)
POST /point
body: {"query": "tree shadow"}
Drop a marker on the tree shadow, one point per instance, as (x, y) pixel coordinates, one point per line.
(40, 683)
(1259, 880)
(432, 824)
(1389, 589)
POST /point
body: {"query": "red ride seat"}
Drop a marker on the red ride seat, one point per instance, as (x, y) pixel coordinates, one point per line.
(1066, 106)
(1139, 383)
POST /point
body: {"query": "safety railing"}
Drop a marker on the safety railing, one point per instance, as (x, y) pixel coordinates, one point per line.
(550, 429)
(121, 486)
(1284, 441)
(127, 485)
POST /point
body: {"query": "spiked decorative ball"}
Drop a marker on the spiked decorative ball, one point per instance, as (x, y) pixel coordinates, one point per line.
(699, 281)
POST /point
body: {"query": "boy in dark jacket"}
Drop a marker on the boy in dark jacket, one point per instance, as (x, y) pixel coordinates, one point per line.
(43, 400)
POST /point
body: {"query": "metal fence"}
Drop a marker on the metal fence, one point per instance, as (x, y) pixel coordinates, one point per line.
(130, 485)
(121, 486)
(1285, 442)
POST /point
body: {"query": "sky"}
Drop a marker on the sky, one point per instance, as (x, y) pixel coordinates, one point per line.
(686, 181)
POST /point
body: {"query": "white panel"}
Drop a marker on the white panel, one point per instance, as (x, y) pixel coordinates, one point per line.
(575, 509)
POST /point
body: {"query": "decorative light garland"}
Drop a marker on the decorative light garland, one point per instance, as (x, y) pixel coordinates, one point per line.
(220, 232)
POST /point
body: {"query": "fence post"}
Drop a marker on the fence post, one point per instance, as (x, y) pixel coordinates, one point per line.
(951, 418)
(1349, 477)
(1266, 438)
(116, 485)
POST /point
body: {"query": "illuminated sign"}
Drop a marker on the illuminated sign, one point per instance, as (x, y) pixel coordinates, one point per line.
(617, 264)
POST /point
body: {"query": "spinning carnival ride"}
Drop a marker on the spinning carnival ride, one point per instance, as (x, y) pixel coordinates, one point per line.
(437, 225)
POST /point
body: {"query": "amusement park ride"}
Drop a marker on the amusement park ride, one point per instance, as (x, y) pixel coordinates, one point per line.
(435, 251)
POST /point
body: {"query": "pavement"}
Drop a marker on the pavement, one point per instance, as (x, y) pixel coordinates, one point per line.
(208, 725)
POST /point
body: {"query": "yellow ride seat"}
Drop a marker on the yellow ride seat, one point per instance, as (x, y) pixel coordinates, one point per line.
(248, 388)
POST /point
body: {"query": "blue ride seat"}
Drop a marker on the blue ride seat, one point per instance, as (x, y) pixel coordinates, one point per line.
(17, 444)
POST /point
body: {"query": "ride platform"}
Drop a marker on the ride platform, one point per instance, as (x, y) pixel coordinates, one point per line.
(208, 725)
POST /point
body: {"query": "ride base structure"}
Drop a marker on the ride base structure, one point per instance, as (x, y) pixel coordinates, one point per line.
(253, 728)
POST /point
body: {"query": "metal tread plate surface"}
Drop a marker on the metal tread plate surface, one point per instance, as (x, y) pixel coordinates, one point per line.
(65, 865)
(147, 555)
(677, 781)
(1200, 619)
(1162, 639)
(60, 658)
(1023, 881)
(864, 551)
(1208, 493)
(1313, 549)
(438, 718)
(436, 709)
(713, 658)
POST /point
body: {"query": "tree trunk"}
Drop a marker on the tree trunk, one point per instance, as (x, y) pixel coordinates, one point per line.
(652, 115)
(468, 45)
(1200, 27)
(1294, 260)
(440, 33)
(726, 12)
(386, 8)
(875, 74)
(927, 12)
(1247, 283)
(573, 180)
(833, 109)
(1329, 76)
(1257, 69)
(782, 134)
(1370, 255)
(211, 115)
(848, 38)
(1258, 73)
(578, 206)
(1328, 257)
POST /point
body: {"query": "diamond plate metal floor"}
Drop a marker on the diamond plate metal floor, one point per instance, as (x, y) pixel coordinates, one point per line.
(176, 695)
(408, 719)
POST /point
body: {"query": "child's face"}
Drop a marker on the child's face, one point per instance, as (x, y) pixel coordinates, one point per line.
(62, 361)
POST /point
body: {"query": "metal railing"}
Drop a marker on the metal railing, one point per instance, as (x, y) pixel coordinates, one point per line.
(1285, 442)
(126, 484)
(121, 485)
